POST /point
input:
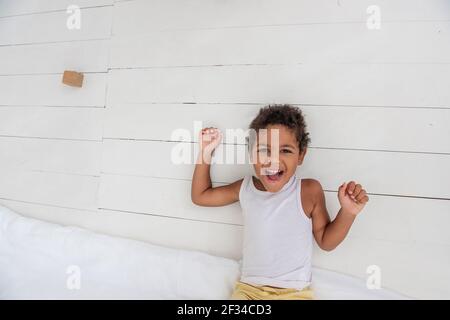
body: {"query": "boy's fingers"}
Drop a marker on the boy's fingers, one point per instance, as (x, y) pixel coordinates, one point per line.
(361, 195)
(351, 187)
(208, 130)
(364, 199)
(211, 130)
(341, 189)
(357, 190)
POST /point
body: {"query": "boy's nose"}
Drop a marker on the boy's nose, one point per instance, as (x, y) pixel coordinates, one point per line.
(274, 159)
(272, 162)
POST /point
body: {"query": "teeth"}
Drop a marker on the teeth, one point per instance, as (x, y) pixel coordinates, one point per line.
(272, 172)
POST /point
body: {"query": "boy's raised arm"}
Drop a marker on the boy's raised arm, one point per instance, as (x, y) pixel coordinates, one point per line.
(329, 235)
(202, 192)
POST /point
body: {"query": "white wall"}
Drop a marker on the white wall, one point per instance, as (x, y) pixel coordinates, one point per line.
(376, 102)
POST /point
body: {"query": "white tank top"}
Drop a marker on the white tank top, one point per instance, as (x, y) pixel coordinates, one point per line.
(278, 237)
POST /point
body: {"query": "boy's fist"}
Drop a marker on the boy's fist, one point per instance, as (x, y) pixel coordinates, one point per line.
(352, 197)
(209, 139)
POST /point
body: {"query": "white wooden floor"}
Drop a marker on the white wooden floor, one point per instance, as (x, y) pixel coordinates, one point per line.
(377, 103)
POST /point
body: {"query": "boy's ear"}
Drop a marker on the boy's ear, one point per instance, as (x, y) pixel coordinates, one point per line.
(301, 156)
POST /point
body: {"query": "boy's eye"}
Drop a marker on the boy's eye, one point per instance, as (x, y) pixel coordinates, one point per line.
(266, 150)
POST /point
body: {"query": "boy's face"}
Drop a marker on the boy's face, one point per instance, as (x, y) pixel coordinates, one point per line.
(274, 168)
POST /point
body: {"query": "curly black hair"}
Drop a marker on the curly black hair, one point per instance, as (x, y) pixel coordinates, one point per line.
(283, 114)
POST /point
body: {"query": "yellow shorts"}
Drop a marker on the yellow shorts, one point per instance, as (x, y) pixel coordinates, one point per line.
(245, 291)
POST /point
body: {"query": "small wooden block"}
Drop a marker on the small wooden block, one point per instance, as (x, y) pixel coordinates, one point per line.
(73, 78)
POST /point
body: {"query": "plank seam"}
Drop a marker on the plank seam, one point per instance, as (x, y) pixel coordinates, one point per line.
(51, 42)
(170, 217)
(47, 138)
(47, 204)
(53, 11)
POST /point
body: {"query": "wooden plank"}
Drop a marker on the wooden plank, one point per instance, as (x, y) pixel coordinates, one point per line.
(402, 265)
(159, 197)
(138, 17)
(65, 190)
(48, 90)
(218, 239)
(138, 158)
(330, 43)
(83, 56)
(53, 214)
(397, 219)
(52, 27)
(380, 172)
(213, 238)
(423, 130)
(43, 122)
(25, 154)
(422, 85)
(138, 121)
(398, 173)
(19, 7)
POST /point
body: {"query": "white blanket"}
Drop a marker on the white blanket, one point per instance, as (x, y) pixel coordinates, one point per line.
(40, 260)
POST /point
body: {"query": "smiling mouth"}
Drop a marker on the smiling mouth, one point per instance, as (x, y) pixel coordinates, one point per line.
(273, 175)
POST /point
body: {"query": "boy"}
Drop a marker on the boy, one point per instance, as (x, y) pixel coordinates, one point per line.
(282, 213)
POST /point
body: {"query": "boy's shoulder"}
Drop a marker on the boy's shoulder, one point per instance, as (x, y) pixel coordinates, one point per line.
(310, 191)
(311, 185)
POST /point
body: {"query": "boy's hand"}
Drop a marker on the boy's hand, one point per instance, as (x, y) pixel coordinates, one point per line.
(209, 139)
(352, 197)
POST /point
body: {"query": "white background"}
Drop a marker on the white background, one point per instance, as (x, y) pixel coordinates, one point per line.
(376, 103)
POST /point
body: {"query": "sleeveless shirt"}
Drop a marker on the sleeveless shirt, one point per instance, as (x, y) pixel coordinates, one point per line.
(278, 239)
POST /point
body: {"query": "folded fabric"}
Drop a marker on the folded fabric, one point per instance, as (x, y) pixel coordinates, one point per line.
(40, 260)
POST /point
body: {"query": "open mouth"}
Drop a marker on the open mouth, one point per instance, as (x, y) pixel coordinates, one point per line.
(273, 175)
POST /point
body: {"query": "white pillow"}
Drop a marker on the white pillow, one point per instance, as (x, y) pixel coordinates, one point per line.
(40, 260)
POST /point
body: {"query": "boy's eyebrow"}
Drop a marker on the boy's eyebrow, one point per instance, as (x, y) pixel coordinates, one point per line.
(282, 146)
